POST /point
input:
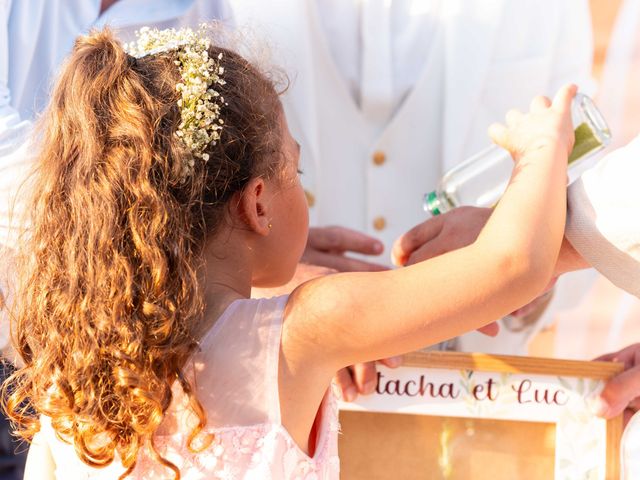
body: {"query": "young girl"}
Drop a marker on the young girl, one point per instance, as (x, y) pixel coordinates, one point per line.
(167, 187)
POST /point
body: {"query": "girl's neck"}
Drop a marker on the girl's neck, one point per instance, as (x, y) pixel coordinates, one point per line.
(226, 277)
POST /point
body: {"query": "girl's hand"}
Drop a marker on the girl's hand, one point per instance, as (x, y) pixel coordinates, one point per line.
(546, 125)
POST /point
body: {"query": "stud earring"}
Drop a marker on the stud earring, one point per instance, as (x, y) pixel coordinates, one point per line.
(269, 225)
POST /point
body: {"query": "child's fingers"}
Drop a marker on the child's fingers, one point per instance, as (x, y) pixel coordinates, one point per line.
(513, 117)
(562, 100)
(498, 134)
(539, 104)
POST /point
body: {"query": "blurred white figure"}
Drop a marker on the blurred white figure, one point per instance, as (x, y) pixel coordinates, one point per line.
(386, 95)
(619, 97)
(619, 92)
(603, 224)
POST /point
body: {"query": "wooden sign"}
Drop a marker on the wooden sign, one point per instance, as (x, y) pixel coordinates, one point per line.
(455, 416)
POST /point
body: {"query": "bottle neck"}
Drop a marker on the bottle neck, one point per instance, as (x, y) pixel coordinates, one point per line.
(433, 203)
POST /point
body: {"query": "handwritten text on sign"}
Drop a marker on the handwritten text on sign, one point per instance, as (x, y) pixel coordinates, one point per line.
(466, 393)
(488, 390)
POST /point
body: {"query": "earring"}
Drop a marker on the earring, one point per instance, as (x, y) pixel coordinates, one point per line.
(269, 226)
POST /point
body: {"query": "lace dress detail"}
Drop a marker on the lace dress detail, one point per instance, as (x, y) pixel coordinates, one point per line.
(237, 360)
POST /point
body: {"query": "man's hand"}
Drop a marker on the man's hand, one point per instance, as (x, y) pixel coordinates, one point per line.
(361, 378)
(441, 234)
(569, 259)
(622, 392)
(453, 230)
(327, 247)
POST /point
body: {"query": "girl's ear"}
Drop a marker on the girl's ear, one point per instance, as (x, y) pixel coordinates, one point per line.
(252, 206)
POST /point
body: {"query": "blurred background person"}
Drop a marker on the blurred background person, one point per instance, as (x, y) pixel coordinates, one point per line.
(606, 319)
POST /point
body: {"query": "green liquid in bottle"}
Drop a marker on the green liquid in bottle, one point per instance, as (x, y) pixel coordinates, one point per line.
(585, 142)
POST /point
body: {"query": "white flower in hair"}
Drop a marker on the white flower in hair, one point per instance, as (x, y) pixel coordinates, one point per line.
(200, 104)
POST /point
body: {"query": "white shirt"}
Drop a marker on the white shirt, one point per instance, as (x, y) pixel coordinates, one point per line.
(379, 47)
(351, 133)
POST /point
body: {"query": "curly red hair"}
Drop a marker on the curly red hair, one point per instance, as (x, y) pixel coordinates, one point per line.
(109, 290)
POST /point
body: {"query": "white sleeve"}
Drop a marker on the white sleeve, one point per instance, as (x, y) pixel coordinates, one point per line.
(603, 218)
(5, 7)
(7, 274)
(16, 161)
(16, 158)
(15, 165)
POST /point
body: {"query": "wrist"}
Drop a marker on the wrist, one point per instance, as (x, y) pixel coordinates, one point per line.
(549, 145)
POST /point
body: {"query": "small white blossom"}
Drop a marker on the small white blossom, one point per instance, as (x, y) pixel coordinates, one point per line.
(200, 103)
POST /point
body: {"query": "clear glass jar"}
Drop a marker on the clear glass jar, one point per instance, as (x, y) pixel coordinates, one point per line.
(481, 180)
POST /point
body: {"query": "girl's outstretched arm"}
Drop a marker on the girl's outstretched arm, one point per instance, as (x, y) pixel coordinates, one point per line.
(346, 318)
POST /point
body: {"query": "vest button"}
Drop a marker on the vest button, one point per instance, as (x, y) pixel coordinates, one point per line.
(379, 223)
(379, 157)
(311, 199)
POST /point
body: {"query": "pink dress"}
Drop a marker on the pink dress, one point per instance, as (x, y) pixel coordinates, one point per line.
(236, 378)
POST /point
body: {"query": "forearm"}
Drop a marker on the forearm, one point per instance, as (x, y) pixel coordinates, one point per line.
(534, 208)
(360, 316)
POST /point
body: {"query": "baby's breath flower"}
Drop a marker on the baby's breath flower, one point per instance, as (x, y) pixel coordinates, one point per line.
(200, 104)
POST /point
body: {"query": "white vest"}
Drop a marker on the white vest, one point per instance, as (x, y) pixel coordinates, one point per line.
(357, 162)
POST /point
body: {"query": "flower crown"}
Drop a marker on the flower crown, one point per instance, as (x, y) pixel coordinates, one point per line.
(200, 104)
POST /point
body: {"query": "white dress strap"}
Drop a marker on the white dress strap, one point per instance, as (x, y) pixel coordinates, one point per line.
(236, 370)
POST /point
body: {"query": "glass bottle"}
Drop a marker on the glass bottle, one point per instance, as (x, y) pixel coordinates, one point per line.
(481, 180)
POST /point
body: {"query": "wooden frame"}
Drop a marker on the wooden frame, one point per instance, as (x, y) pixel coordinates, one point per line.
(540, 395)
